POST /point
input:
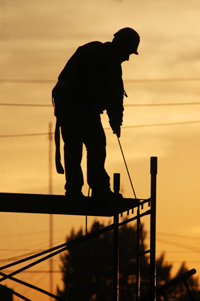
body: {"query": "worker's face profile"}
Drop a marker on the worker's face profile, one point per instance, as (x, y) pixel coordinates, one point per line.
(125, 55)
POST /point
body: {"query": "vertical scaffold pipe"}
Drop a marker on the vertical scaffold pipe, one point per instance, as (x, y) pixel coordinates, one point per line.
(153, 230)
(138, 256)
(116, 244)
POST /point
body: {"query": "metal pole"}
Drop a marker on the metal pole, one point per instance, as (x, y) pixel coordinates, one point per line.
(138, 256)
(116, 244)
(50, 216)
(153, 230)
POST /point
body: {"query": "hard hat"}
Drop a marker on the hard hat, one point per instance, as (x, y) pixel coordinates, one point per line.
(129, 38)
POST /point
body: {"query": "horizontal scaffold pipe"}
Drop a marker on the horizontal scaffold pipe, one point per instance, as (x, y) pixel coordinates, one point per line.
(176, 281)
(14, 293)
(63, 247)
(31, 286)
(66, 246)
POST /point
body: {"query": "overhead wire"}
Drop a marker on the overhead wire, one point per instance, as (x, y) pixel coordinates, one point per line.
(24, 105)
(161, 124)
(178, 235)
(132, 80)
(126, 105)
(23, 135)
(149, 80)
(124, 127)
(181, 245)
(161, 104)
(27, 81)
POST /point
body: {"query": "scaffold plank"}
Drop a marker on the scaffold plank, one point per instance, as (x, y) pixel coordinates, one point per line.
(60, 204)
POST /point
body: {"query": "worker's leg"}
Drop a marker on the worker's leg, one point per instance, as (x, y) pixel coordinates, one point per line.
(73, 156)
(95, 141)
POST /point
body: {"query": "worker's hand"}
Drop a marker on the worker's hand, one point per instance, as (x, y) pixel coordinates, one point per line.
(115, 124)
(117, 131)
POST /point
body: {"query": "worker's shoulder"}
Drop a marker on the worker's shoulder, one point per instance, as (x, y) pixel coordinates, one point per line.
(95, 46)
(95, 53)
(90, 46)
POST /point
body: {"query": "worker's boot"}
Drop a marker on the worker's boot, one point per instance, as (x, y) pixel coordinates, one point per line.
(74, 195)
(105, 194)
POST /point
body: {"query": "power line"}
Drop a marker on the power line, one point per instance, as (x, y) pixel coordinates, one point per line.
(23, 135)
(162, 104)
(160, 124)
(48, 81)
(124, 127)
(178, 79)
(36, 272)
(126, 105)
(178, 235)
(27, 81)
(24, 105)
(180, 245)
(18, 257)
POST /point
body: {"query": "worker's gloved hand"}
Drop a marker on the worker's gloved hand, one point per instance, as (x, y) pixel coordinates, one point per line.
(117, 131)
(115, 123)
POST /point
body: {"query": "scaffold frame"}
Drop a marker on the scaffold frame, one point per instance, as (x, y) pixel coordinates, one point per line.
(56, 204)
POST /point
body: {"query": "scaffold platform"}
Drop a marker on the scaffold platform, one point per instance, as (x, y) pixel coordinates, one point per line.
(60, 204)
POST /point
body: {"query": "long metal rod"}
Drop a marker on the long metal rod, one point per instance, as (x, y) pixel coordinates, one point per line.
(126, 166)
(138, 230)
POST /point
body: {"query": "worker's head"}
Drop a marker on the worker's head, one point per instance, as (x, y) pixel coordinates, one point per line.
(126, 42)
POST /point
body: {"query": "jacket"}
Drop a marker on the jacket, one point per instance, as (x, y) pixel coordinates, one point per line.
(91, 81)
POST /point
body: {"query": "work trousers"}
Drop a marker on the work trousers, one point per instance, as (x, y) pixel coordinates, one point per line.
(87, 129)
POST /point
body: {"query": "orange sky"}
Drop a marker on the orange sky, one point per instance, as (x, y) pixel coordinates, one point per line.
(36, 40)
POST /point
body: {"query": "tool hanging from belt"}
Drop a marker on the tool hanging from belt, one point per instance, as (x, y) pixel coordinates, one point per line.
(59, 166)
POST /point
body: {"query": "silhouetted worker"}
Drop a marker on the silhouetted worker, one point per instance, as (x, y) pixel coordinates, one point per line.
(90, 83)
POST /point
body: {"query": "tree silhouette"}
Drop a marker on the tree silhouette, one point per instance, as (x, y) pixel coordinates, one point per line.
(87, 269)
